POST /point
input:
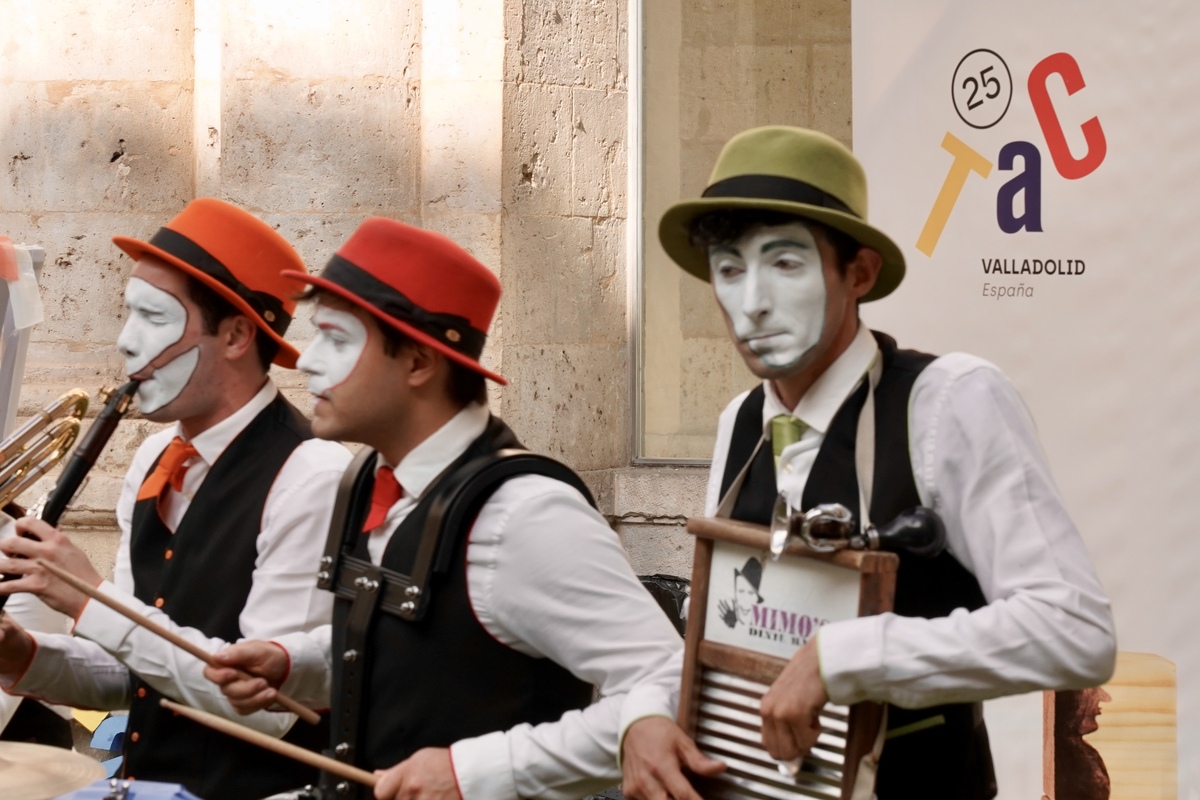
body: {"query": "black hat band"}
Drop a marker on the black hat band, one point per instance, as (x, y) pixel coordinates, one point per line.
(452, 330)
(776, 187)
(267, 306)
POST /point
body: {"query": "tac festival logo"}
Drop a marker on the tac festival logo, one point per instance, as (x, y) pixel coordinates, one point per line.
(982, 92)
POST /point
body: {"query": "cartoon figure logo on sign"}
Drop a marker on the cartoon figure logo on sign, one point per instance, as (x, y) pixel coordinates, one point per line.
(982, 92)
(746, 582)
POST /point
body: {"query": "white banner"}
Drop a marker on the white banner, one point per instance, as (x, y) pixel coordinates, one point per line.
(1038, 162)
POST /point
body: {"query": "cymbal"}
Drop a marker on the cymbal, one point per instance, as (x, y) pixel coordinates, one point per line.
(39, 772)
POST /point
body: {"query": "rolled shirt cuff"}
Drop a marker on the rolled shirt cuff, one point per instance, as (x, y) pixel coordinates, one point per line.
(308, 672)
(643, 702)
(850, 654)
(483, 767)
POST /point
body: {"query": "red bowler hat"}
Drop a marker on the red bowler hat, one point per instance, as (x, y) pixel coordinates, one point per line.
(238, 256)
(419, 282)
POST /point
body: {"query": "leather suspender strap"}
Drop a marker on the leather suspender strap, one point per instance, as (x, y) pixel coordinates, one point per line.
(350, 493)
(354, 672)
(452, 509)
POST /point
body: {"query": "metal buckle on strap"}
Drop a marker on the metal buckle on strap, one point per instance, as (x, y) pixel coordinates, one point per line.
(397, 594)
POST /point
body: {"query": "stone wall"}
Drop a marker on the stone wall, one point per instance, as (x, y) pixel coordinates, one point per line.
(502, 124)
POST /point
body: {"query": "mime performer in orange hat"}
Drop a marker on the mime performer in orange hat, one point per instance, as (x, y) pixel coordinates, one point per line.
(223, 513)
(480, 596)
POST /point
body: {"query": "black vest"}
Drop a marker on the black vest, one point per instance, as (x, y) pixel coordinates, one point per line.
(431, 682)
(202, 574)
(950, 761)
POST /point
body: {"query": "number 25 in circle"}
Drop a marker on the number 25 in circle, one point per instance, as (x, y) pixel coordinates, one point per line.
(982, 88)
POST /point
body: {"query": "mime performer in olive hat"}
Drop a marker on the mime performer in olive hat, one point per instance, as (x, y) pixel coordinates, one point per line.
(1012, 606)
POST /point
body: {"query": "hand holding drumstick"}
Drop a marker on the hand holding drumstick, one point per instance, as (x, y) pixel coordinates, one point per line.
(305, 713)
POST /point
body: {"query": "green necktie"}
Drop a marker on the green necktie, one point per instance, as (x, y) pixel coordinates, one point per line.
(785, 430)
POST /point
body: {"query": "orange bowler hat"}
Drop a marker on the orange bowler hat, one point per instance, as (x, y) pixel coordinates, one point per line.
(238, 256)
(419, 282)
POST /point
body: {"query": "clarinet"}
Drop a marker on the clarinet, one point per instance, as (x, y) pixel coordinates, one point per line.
(81, 461)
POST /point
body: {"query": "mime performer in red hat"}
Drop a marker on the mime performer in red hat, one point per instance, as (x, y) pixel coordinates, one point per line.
(473, 618)
(223, 513)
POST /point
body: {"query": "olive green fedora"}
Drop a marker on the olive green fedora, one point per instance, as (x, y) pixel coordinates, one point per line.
(793, 170)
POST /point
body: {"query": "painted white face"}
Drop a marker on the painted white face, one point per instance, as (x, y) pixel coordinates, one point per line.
(167, 382)
(334, 352)
(157, 320)
(771, 284)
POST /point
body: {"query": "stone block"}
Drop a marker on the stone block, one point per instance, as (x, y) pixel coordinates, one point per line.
(462, 40)
(339, 145)
(832, 100)
(365, 39)
(568, 43)
(96, 146)
(537, 166)
(716, 22)
(714, 97)
(570, 401)
(82, 281)
(461, 152)
(598, 165)
(101, 40)
(658, 549)
(700, 315)
(780, 75)
(316, 237)
(564, 280)
(784, 22)
(478, 234)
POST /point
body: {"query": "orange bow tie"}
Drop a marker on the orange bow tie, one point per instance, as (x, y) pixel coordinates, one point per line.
(170, 469)
(385, 494)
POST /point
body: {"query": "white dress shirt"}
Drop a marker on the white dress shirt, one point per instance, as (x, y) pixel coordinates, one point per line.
(977, 462)
(90, 670)
(33, 615)
(549, 578)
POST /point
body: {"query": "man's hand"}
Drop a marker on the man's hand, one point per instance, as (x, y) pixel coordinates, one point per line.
(425, 775)
(654, 754)
(790, 707)
(51, 545)
(266, 662)
(16, 648)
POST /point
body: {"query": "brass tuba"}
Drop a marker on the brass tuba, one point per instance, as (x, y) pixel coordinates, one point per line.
(39, 444)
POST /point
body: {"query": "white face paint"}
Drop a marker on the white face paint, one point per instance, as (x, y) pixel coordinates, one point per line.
(334, 351)
(771, 284)
(156, 321)
(167, 381)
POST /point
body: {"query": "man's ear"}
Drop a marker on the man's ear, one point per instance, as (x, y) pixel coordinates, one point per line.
(863, 271)
(425, 362)
(237, 335)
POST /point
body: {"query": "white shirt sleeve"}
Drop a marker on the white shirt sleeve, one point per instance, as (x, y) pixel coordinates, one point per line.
(64, 669)
(548, 577)
(1047, 624)
(283, 597)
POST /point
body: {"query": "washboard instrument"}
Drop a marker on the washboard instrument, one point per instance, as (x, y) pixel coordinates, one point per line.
(745, 622)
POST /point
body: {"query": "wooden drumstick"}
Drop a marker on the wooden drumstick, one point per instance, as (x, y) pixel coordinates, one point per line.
(303, 712)
(288, 749)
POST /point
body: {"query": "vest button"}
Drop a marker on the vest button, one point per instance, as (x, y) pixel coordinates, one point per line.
(141, 692)
(350, 655)
(342, 748)
(167, 555)
(133, 737)
(158, 602)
